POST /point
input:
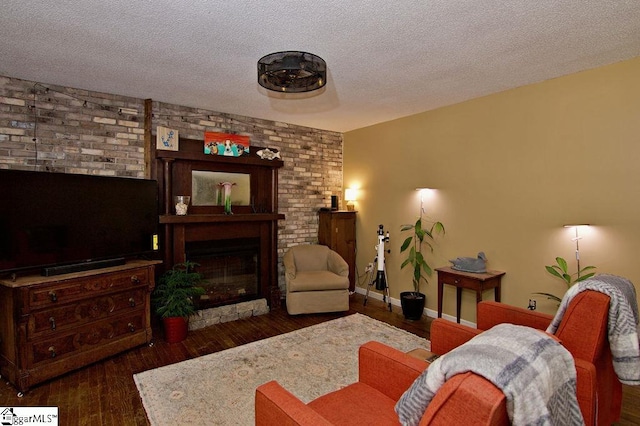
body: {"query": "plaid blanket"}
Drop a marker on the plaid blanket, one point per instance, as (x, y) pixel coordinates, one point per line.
(536, 374)
(622, 322)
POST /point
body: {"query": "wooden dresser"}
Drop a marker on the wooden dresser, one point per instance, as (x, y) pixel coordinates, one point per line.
(337, 230)
(52, 325)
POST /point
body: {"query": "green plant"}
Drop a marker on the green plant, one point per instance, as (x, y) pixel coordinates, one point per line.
(561, 270)
(176, 289)
(421, 269)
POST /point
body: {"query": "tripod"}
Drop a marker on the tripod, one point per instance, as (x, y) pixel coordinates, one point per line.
(379, 275)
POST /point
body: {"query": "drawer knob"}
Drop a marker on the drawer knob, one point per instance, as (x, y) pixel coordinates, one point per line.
(135, 279)
(53, 296)
(131, 327)
(456, 281)
(52, 321)
(52, 351)
(132, 302)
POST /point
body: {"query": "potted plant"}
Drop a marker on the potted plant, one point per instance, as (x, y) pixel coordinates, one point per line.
(173, 299)
(413, 302)
(561, 270)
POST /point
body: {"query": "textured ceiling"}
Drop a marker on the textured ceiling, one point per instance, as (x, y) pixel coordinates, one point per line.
(386, 59)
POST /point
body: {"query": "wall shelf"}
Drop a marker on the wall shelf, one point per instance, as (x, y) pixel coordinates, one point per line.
(250, 159)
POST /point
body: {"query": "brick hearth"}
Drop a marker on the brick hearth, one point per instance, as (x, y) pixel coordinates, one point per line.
(228, 313)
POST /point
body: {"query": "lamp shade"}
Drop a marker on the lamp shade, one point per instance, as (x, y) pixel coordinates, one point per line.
(292, 72)
(350, 194)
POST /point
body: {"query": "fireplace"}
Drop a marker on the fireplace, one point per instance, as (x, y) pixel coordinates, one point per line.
(230, 269)
(237, 252)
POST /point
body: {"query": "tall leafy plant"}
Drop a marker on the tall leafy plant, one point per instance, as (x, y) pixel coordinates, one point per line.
(561, 270)
(420, 235)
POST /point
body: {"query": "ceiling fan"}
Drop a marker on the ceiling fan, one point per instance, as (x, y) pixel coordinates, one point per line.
(292, 72)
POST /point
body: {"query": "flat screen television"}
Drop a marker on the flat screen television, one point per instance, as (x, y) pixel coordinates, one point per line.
(56, 223)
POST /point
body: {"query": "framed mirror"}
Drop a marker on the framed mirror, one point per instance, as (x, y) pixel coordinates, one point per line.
(206, 188)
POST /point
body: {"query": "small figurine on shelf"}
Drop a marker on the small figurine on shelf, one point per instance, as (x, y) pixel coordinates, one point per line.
(267, 154)
(227, 196)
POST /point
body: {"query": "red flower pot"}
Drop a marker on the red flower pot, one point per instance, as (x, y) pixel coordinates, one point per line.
(175, 329)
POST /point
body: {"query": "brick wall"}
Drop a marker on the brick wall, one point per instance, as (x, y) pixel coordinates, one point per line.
(78, 131)
(52, 128)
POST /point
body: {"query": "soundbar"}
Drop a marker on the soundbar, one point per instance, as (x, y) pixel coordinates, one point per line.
(84, 266)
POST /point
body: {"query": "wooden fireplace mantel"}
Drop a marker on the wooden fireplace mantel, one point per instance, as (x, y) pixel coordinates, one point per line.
(173, 170)
(220, 218)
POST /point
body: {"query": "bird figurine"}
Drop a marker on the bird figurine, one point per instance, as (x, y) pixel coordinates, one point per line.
(470, 264)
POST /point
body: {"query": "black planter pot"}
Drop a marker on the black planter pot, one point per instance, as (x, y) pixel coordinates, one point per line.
(412, 304)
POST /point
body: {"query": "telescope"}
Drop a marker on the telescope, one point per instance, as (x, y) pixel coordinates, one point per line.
(379, 276)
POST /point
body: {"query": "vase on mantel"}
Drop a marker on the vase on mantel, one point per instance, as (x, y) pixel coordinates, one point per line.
(227, 196)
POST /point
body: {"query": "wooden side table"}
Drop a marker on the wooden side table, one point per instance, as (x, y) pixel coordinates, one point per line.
(423, 354)
(473, 281)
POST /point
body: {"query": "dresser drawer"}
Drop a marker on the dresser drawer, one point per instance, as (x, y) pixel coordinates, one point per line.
(80, 288)
(88, 337)
(59, 318)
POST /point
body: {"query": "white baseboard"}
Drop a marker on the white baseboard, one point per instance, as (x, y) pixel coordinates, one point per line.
(428, 312)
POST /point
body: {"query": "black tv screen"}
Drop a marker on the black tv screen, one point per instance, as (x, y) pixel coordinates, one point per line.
(56, 219)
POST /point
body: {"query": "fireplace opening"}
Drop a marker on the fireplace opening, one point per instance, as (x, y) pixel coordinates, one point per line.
(229, 269)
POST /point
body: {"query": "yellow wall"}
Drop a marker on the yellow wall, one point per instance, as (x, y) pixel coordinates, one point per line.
(509, 170)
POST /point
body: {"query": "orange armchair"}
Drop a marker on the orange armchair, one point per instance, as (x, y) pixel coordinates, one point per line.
(583, 331)
(384, 375)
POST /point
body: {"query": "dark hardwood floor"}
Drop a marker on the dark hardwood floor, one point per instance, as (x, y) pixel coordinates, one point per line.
(105, 394)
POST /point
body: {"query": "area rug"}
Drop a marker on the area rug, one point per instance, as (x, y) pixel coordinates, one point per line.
(219, 389)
